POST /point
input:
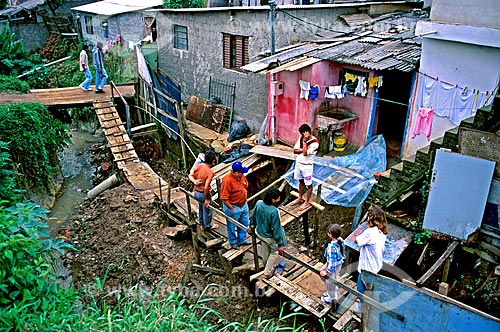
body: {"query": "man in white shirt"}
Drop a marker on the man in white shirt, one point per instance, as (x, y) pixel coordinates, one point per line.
(84, 66)
(305, 149)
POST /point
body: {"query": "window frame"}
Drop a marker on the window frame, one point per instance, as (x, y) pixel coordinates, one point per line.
(178, 38)
(234, 51)
(89, 24)
(351, 87)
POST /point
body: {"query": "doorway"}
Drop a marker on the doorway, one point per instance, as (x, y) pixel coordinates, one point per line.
(392, 109)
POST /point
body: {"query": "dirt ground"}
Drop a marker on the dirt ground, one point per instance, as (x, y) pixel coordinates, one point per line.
(122, 241)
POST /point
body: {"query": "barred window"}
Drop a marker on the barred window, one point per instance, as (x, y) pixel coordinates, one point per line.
(180, 37)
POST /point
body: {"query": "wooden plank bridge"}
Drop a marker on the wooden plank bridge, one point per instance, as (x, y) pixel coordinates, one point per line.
(65, 97)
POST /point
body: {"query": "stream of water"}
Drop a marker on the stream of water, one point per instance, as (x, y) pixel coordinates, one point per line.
(77, 171)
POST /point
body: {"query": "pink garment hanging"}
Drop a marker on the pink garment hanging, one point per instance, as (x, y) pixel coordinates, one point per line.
(423, 125)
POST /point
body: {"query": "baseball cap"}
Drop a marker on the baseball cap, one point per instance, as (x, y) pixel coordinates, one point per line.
(238, 167)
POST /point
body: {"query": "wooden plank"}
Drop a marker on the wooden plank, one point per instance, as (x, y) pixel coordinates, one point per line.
(277, 150)
(346, 318)
(438, 263)
(208, 269)
(313, 203)
(301, 296)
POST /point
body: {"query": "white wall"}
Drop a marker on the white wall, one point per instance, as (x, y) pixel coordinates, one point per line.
(477, 67)
(476, 12)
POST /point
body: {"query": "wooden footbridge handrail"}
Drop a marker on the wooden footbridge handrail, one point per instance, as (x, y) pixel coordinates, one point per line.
(353, 291)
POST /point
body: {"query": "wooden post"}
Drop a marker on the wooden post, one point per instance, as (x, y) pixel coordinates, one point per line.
(254, 247)
(194, 231)
(305, 225)
(316, 223)
(161, 194)
(168, 198)
(180, 124)
(446, 268)
(219, 201)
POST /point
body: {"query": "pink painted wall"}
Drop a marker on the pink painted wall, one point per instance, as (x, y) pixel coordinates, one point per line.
(292, 111)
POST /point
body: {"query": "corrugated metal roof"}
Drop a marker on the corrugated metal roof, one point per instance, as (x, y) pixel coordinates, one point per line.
(27, 5)
(394, 48)
(356, 19)
(282, 57)
(293, 65)
(115, 7)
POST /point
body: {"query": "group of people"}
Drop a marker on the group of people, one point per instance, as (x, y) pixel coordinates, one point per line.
(266, 216)
(100, 73)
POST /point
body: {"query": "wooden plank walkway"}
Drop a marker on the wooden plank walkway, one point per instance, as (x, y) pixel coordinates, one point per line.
(139, 174)
(65, 97)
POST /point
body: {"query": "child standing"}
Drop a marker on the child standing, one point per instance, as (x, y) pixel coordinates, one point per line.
(334, 255)
(371, 246)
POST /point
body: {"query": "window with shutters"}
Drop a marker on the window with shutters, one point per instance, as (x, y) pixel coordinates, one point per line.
(89, 27)
(235, 51)
(180, 37)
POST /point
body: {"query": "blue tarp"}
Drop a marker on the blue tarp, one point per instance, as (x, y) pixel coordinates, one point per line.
(347, 180)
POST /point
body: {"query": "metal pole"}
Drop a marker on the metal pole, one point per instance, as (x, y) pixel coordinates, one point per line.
(272, 42)
(272, 16)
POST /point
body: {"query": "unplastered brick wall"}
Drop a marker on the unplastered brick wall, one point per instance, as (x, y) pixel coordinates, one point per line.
(204, 57)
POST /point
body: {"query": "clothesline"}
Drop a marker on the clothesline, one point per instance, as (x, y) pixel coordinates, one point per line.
(451, 84)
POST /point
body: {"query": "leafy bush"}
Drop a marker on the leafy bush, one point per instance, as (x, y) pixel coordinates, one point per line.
(35, 138)
(175, 4)
(13, 59)
(13, 84)
(9, 192)
(56, 48)
(26, 283)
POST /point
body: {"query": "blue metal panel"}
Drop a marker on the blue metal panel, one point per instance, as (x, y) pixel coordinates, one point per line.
(173, 90)
(422, 310)
(458, 193)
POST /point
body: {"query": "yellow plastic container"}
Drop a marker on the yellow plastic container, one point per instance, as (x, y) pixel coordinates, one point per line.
(339, 142)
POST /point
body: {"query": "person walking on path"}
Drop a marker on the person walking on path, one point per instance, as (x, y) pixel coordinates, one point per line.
(334, 255)
(84, 66)
(234, 196)
(100, 73)
(266, 218)
(371, 246)
(305, 149)
(201, 176)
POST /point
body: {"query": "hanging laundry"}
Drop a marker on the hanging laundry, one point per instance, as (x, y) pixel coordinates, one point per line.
(334, 92)
(304, 89)
(423, 124)
(350, 77)
(345, 92)
(361, 89)
(380, 81)
(372, 82)
(314, 92)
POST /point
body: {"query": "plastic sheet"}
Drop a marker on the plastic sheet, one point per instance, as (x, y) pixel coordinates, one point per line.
(347, 180)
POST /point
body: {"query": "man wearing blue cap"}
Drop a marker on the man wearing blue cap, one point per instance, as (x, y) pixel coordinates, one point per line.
(234, 196)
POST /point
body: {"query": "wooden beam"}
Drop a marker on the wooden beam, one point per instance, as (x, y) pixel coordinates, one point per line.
(208, 269)
(144, 126)
(313, 203)
(438, 263)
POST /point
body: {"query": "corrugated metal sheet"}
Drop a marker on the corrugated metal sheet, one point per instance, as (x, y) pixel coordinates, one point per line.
(356, 19)
(285, 56)
(377, 50)
(27, 5)
(294, 65)
(115, 7)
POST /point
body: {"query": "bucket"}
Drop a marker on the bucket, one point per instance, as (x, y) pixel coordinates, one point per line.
(339, 142)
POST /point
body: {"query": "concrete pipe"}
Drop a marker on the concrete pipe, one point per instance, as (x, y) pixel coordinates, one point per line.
(110, 182)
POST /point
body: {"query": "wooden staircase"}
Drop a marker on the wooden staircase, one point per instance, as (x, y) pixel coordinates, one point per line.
(403, 176)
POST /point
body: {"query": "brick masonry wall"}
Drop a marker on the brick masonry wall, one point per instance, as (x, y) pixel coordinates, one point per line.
(193, 68)
(33, 35)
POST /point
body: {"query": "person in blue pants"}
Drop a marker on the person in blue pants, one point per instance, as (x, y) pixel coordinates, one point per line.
(100, 73)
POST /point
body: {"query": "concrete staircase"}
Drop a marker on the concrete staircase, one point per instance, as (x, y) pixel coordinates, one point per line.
(403, 176)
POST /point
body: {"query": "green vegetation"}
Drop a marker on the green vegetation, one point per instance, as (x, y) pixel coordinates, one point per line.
(13, 84)
(13, 57)
(175, 4)
(35, 138)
